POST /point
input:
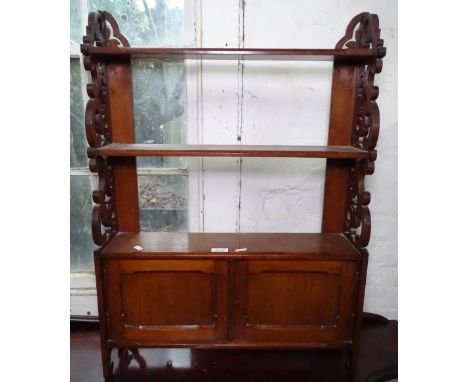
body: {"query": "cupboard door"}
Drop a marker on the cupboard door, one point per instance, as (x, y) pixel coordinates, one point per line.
(168, 300)
(297, 301)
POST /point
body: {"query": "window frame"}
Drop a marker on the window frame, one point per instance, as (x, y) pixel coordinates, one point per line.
(83, 295)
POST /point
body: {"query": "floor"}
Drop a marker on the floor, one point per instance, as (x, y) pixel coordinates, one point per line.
(378, 360)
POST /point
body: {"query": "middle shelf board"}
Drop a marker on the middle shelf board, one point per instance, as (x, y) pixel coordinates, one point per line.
(183, 245)
(136, 149)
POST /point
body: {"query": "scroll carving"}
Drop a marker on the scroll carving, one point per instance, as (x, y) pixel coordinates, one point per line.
(365, 30)
(99, 34)
(98, 132)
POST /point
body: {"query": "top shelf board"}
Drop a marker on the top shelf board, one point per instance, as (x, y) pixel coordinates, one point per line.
(237, 54)
(136, 149)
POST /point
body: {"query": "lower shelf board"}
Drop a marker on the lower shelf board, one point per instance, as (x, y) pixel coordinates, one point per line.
(236, 344)
(135, 149)
(185, 245)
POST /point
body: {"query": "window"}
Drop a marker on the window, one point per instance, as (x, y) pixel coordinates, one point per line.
(159, 91)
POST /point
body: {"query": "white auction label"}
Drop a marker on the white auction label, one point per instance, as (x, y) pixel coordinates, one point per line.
(219, 249)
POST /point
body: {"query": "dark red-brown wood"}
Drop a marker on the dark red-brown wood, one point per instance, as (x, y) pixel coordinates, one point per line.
(101, 292)
(313, 296)
(168, 300)
(182, 245)
(360, 291)
(125, 185)
(134, 150)
(342, 120)
(354, 55)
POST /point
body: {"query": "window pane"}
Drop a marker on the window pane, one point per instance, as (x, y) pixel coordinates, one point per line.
(78, 142)
(81, 245)
(150, 22)
(163, 203)
(159, 107)
(76, 32)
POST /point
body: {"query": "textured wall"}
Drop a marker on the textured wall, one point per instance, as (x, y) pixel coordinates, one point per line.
(285, 103)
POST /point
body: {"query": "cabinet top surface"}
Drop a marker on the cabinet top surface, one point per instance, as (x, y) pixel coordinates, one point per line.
(158, 244)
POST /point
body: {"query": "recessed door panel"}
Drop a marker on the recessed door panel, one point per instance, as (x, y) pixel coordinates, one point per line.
(168, 300)
(294, 300)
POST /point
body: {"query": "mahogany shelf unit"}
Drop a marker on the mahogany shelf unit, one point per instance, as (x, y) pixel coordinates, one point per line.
(231, 290)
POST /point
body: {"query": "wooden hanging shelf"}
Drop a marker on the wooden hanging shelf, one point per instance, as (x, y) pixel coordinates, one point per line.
(245, 290)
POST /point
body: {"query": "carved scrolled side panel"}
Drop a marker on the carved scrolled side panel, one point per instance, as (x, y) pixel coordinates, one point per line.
(363, 33)
(102, 30)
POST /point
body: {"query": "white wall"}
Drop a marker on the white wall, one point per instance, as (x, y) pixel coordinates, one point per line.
(285, 103)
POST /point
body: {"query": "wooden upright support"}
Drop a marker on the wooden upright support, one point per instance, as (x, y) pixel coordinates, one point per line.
(119, 77)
